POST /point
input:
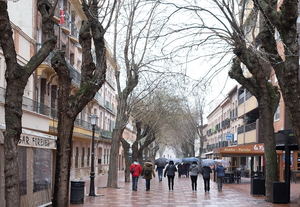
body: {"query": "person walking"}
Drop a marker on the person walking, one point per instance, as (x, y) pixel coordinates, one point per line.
(206, 170)
(194, 171)
(160, 170)
(135, 170)
(148, 172)
(220, 170)
(170, 172)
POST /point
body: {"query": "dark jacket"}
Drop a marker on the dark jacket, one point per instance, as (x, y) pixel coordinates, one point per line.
(148, 170)
(170, 170)
(206, 172)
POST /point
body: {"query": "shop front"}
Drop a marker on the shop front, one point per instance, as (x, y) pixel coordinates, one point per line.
(250, 158)
(36, 160)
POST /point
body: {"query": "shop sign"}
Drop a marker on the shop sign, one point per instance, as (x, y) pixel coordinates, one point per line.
(36, 141)
(244, 149)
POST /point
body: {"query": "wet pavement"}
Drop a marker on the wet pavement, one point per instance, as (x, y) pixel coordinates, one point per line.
(233, 195)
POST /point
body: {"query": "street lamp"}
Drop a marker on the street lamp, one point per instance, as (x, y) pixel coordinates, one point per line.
(94, 118)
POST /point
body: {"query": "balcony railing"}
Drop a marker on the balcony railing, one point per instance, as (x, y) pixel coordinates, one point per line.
(74, 31)
(247, 128)
(34, 106)
(106, 134)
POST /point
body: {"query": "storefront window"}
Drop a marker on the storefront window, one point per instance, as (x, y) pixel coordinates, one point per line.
(88, 157)
(42, 169)
(82, 157)
(22, 159)
(76, 157)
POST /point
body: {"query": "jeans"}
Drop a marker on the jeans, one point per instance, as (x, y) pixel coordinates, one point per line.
(194, 182)
(171, 182)
(220, 183)
(148, 184)
(134, 182)
(206, 184)
(160, 173)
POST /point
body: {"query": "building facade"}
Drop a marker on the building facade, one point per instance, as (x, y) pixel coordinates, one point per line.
(37, 144)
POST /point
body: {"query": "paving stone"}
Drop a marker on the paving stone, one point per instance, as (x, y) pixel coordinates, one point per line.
(233, 195)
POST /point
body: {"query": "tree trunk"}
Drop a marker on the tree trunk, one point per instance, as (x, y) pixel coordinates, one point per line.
(266, 130)
(135, 149)
(63, 161)
(126, 147)
(13, 121)
(112, 180)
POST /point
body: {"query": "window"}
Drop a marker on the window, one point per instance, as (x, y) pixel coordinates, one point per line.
(76, 157)
(277, 114)
(41, 173)
(82, 157)
(88, 157)
(22, 161)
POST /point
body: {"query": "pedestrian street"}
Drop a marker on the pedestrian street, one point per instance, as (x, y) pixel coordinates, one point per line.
(233, 195)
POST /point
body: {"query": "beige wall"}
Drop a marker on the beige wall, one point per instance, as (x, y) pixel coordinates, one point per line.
(247, 106)
(248, 137)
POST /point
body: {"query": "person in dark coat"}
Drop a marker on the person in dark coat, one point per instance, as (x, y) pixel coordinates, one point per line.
(170, 172)
(220, 170)
(148, 172)
(160, 170)
(180, 170)
(206, 170)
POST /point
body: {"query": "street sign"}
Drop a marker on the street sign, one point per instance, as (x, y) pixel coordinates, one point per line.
(229, 136)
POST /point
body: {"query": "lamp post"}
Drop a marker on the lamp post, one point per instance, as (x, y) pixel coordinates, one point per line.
(92, 174)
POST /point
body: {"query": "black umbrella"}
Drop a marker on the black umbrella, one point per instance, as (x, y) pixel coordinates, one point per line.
(161, 162)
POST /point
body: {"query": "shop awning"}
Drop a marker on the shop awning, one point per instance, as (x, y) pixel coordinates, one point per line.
(241, 150)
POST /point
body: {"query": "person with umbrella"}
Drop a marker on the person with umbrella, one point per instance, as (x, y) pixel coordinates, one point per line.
(160, 163)
(194, 171)
(170, 172)
(206, 170)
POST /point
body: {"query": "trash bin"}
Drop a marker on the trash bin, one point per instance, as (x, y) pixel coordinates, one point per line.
(77, 192)
(258, 186)
(281, 192)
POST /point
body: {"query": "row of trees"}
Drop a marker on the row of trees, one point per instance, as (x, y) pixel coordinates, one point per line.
(250, 32)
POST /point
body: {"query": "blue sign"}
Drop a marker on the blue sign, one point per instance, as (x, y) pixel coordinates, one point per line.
(229, 136)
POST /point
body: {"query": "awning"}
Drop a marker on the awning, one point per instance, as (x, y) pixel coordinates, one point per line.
(209, 153)
(241, 150)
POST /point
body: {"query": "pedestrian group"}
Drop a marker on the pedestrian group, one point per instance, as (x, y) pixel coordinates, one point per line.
(147, 171)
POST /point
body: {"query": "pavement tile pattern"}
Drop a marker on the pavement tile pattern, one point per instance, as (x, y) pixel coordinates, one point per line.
(233, 195)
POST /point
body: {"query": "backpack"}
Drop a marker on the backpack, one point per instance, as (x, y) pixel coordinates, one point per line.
(147, 173)
(132, 170)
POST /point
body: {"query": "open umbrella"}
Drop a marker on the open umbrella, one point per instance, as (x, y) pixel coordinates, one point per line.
(176, 160)
(161, 162)
(207, 162)
(190, 160)
(225, 163)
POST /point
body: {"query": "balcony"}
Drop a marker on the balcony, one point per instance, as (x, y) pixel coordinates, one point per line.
(106, 134)
(247, 106)
(74, 36)
(109, 107)
(39, 108)
(247, 133)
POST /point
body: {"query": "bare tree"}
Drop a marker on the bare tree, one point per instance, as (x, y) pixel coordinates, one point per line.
(235, 29)
(16, 78)
(92, 78)
(138, 27)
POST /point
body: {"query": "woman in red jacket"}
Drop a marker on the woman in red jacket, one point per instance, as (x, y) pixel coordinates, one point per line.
(135, 170)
